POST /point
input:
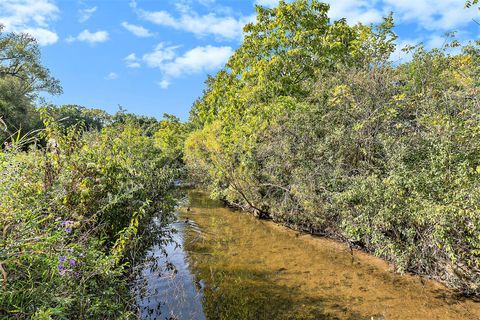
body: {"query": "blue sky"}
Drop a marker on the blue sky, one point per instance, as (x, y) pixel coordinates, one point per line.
(152, 56)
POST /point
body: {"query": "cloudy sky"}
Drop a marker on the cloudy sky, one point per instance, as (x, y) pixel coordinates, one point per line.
(152, 56)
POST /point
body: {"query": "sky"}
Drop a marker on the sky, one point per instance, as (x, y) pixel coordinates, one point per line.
(153, 56)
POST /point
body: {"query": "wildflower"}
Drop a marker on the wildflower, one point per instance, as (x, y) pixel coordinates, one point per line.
(61, 268)
(67, 225)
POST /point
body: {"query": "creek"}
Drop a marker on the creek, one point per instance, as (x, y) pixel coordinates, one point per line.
(230, 265)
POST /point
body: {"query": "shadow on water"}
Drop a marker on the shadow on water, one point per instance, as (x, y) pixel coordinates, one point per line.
(233, 266)
(249, 294)
(236, 291)
(199, 200)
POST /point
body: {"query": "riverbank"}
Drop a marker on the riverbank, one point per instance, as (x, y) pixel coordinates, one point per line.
(328, 135)
(73, 215)
(354, 247)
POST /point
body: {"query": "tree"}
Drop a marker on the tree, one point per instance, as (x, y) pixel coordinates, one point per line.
(275, 68)
(170, 137)
(470, 3)
(22, 77)
(310, 124)
(20, 58)
(70, 115)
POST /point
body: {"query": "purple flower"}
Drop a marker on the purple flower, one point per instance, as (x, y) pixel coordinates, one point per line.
(66, 265)
(61, 267)
(68, 225)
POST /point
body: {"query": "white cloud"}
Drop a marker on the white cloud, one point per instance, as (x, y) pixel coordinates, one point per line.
(164, 84)
(226, 27)
(436, 41)
(443, 15)
(111, 76)
(85, 14)
(132, 61)
(131, 57)
(134, 65)
(43, 36)
(364, 11)
(206, 2)
(446, 15)
(139, 31)
(199, 59)
(92, 37)
(354, 11)
(267, 3)
(159, 56)
(30, 16)
(400, 55)
(429, 43)
(172, 65)
(89, 37)
(70, 39)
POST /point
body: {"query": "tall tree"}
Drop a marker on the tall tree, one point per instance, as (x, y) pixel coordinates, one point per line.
(22, 78)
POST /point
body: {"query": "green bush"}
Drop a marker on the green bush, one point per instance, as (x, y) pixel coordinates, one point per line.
(311, 125)
(69, 213)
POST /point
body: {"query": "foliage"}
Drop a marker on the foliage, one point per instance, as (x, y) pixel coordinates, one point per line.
(311, 125)
(78, 187)
(69, 212)
(170, 138)
(16, 110)
(22, 77)
(149, 125)
(72, 115)
(20, 59)
(470, 3)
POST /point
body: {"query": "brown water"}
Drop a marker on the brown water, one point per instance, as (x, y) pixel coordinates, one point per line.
(244, 268)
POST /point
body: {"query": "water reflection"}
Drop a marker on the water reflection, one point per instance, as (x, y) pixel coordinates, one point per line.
(233, 266)
(167, 289)
(255, 269)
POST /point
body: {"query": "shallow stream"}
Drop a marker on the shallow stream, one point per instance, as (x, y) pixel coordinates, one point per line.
(230, 265)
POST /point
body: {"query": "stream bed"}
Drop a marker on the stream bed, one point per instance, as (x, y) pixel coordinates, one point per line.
(229, 265)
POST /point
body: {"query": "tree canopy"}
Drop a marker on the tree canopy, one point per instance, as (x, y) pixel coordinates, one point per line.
(311, 124)
(22, 78)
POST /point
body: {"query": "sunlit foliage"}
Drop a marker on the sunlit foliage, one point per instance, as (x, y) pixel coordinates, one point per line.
(77, 187)
(311, 125)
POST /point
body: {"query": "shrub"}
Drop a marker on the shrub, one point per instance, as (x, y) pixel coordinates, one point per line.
(69, 213)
